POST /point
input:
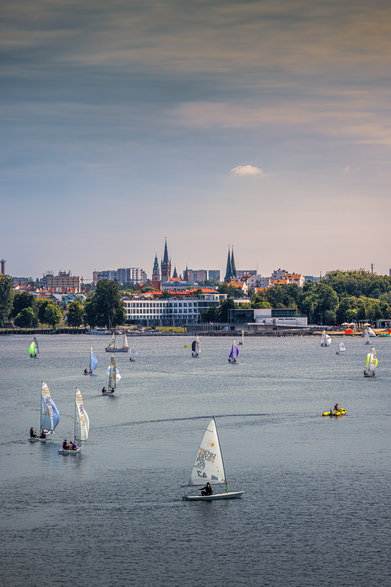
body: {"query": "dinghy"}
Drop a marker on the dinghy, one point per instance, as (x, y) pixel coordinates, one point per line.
(133, 355)
(195, 347)
(371, 362)
(113, 375)
(34, 349)
(341, 348)
(234, 353)
(49, 416)
(335, 413)
(208, 468)
(112, 347)
(92, 364)
(81, 428)
(325, 339)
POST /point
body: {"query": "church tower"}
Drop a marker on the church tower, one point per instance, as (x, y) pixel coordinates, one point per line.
(165, 264)
(155, 270)
(233, 266)
(228, 270)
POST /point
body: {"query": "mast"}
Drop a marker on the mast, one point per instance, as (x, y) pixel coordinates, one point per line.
(221, 452)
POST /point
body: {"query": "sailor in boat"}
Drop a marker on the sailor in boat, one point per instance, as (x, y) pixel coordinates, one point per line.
(336, 407)
(32, 433)
(87, 372)
(207, 490)
(42, 435)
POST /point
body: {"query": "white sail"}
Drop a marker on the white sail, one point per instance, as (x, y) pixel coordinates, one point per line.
(82, 422)
(111, 344)
(341, 347)
(125, 344)
(370, 331)
(208, 465)
(325, 339)
(113, 375)
(366, 336)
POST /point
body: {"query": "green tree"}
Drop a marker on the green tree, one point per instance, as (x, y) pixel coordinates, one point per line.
(108, 304)
(41, 308)
(52, 315)
(26, 318)
(224, 306)
(75, 316)
(210, 315)
(23, 299)
(90, 313)
(6, 297)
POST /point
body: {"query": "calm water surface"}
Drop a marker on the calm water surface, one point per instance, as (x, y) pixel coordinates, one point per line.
(317, 490)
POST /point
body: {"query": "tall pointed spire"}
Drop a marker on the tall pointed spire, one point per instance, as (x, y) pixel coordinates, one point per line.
(233, 266)
(165, 264)
(228, 271)
(155, 271)
(175, 274)
(165, 256)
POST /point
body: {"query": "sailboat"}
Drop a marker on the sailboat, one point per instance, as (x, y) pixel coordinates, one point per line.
(92, 364)
(195, 347)
(325, 339)
(112, 347)
(366, 336)
(341, 348)
(34, 349)
(80, 430)
(371, 362)
(241, 341)
(208, 468)
(113, 375)
(233, 355)
(133, 354)
(49, 416)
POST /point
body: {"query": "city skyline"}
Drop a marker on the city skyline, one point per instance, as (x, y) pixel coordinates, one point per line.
(266, 125)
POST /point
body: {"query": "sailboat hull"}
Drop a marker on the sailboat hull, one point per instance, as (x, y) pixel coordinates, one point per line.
(66, 452)
(215, 496)
(122, 350)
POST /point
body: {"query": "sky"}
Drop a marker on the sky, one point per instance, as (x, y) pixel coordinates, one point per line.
(263, 124)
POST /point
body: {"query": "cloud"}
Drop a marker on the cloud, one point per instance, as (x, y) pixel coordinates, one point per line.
(246, 170)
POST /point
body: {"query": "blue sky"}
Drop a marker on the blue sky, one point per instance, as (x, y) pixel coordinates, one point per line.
(262, 124)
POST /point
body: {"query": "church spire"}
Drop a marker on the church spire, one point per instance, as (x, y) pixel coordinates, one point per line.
(155, 271)
(228, 271)
(166, 264)
(233, 266)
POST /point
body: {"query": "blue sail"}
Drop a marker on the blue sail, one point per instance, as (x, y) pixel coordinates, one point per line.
(56, 413)
(234, 352)
(94, 362)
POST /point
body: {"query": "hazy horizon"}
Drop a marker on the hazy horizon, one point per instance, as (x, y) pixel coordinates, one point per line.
(265, 125)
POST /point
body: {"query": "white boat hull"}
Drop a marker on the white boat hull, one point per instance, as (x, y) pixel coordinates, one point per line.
(123, 350)
(66, 452)
(215, 496)
(37, 439)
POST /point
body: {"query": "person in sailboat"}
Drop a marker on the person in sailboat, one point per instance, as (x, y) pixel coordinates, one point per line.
(32, 433)
(336, 407)
(65, 445)
(207, 490)
(42, 435)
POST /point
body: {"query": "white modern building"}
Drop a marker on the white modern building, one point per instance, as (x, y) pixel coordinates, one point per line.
(168, 312)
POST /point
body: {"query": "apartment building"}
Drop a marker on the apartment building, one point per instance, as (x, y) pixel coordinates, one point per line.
(168, 312)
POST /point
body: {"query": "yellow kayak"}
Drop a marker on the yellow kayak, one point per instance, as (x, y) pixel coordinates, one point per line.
(336, 413)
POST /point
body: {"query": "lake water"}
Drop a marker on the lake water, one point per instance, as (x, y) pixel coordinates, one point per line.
(317, 490)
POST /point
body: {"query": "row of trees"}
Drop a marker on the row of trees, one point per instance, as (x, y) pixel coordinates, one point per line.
(340, 297)
(103, 308)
